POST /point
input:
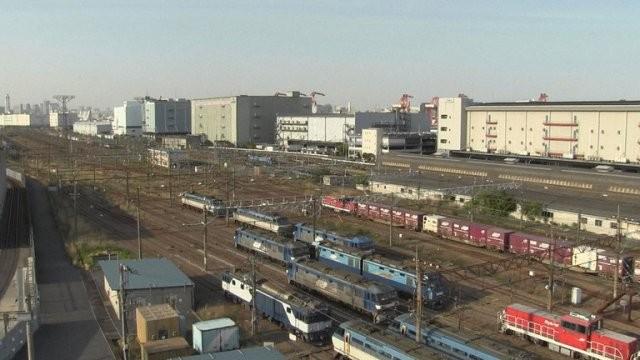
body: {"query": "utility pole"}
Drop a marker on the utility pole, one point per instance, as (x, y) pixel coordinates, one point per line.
(552, 250)
(123, 316)
(138, 218)
(391, 221)
(30, 348)
(75, 213)
(418, 298)
(618, 248)
(127, 180)
(315, 216)
(204, 239)
(254, 318)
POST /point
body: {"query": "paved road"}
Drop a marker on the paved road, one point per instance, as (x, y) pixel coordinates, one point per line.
(68, 328)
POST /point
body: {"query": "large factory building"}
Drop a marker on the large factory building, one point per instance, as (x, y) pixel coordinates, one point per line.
(166, 116)
(244, 119)
(587, 130)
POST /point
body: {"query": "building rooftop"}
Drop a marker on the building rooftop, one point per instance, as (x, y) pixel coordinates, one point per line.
(157, 312)
(214, 324)
(159, 346)
(253, 353)
(144, 274)
(617, 105)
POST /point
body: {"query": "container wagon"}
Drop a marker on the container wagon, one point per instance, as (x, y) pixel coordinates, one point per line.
(576, 334)
(301, 315)
(270, 222)
(397, 216)
(340, 204)
(270, 245)
(376, 300)
(305, 233)
(361, 341)
(379, 269)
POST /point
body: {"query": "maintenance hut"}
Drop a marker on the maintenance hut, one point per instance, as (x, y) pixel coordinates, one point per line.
(147, 282)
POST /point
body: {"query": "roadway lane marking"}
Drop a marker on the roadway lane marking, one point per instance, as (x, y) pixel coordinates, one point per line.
(453, 170)
(601, 174)
(624, 190)
(546, 181)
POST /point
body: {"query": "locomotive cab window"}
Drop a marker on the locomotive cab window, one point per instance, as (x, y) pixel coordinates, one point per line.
(288, 310)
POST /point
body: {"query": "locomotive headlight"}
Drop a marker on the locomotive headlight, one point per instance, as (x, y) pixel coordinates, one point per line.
(378, 307)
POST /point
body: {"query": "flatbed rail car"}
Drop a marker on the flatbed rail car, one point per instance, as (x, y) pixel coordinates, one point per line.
(451, 344)
(358, 340)
(270, 245)
(202, 202)
(305, 233)
(302, 316)
(386, 271)
(576, 334)
(270, 222)
(369, 297)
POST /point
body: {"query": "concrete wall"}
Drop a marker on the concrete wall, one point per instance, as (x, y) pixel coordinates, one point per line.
(372, 141)
(591, 135)
(172, 116)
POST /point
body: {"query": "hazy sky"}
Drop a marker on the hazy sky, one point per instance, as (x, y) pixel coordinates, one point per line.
(368, 52)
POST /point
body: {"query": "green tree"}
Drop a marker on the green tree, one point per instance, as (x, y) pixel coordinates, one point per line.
(492, 202)
(531, 209)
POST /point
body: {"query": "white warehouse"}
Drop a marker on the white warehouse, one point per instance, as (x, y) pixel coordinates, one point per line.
(128, 118)
(92, 128)
(587, 130)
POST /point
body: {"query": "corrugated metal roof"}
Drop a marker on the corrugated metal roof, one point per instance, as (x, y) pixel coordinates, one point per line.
(156, 312)
(144, 274)
(254, 353)
(214, 324)
(174, 343)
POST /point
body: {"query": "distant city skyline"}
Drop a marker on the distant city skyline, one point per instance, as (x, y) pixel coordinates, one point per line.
(366, 52)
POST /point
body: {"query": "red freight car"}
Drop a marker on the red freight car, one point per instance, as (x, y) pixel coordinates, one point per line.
(498, 239)
(606, 264)
(445, 227)
(575, 335)
(460, 231)
(478, 234)
(519, 242)
(413, 220)
(540, 246)
(339, 204)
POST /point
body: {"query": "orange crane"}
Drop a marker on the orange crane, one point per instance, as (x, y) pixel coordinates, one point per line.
(405, 103)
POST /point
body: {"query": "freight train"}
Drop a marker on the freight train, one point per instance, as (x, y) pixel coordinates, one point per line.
(376, 300)
(577, 335)
(270, 222)
(202, 202)
(358, 340)
(383, 270)
(577, 258)
(301, 315)
(270, 245)
(305, 233)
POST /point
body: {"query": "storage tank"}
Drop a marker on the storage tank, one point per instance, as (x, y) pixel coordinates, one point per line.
(576, 295)
(216, 335)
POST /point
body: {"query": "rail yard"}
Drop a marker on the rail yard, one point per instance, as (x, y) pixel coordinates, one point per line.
(251, 218)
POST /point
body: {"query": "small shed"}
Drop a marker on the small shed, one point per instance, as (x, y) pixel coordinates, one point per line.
(216, 335)
(165, 349)
(157, 322)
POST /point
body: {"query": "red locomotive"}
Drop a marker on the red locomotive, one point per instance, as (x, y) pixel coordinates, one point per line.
(575, 335)
(340, 204)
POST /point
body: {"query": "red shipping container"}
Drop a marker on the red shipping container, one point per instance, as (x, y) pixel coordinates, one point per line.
(445, 227)
(519, 243)
(498, 239)
(398, 217)
(363, 210)
(413, 220)
(478, 234)
(563, 253)
(460, 231)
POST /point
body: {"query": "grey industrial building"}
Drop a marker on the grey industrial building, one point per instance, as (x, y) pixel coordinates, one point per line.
(148, 282)
(244, 119)
(166, 116)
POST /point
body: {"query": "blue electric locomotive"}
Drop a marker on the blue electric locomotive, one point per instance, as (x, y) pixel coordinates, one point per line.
(362, 341)
(380, 269)
(451, 344)
(301, 315)
(305, 233)
(270, 245)
(377, 300)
